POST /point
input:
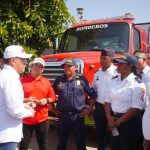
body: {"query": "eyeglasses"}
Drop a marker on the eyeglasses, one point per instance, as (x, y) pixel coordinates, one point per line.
(138, 57)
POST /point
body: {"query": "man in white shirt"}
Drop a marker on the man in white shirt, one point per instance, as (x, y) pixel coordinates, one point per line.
(144, 69)
(107, 71)
(12, 109)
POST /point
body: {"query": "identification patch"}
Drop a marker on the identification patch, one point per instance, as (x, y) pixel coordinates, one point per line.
(143, 92)
(61, 85)
(78, 82)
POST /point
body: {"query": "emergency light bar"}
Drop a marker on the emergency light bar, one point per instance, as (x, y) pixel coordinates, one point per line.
(124, 17)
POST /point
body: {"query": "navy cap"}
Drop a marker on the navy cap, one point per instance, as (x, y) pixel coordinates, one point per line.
(108, 52)
(128, 59)
(69, 62)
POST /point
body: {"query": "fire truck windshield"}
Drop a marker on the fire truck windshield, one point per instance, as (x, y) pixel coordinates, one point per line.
(96, 36)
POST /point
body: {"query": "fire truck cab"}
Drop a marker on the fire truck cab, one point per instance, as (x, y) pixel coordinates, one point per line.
(83, 43)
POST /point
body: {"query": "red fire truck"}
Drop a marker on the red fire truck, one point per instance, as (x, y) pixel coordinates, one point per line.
(83, 43)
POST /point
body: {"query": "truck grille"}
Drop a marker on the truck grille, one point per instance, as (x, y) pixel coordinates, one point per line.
(52, 72)
(55, 69)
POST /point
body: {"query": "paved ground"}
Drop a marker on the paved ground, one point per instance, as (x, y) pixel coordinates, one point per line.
(53, 139)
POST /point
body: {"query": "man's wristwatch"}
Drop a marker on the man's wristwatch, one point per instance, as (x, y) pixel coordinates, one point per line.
(48, 101)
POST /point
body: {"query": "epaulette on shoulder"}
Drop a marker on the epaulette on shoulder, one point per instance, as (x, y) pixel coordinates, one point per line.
(114, 77)
(138, 80)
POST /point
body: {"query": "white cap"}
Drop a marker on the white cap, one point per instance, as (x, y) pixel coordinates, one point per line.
(15, 51)
(37, 60)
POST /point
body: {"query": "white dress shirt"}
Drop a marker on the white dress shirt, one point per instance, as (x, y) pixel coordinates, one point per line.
(12, 109)
(146, 80)
(146, 123)
(125, 94)
(146, 116)
(99, 82)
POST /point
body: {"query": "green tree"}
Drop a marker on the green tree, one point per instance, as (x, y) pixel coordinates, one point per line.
(32, 23)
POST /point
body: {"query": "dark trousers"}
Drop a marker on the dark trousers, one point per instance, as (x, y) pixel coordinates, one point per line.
(128, 135)
(148, 147)
(101, 125)
(141, 137)
(68, 123)
(41, 132)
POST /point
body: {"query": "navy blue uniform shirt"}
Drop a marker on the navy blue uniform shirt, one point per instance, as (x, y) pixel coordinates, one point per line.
(71, 93)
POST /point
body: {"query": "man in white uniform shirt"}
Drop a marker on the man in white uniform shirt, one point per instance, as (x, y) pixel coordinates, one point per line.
(107, 71)
(144, 69)
(12, 109)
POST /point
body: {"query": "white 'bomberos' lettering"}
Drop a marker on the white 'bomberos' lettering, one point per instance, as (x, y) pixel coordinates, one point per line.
(94, 26)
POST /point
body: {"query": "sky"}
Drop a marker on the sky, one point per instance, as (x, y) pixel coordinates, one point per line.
(99, 9)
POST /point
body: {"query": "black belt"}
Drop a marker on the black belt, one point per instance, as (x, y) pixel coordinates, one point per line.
(70, 113)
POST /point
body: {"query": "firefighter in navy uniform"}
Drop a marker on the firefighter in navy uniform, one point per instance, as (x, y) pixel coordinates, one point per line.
(123, 103)
(71, 89)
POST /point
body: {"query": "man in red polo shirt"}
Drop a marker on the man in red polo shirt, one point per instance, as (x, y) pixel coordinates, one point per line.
(38, 93)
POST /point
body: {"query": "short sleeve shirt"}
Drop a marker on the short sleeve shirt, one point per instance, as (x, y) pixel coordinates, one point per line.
(99, 82)
(125, 94)
(146, 116)
(71, 93)
(38, 88)
(146, 80)
(146, 123)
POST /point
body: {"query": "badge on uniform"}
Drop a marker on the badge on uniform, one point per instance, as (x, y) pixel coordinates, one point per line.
(143, 92)
(78, 82)
(61, 85)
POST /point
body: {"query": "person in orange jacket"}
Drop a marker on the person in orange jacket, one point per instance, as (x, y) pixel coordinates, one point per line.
(38, 94)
